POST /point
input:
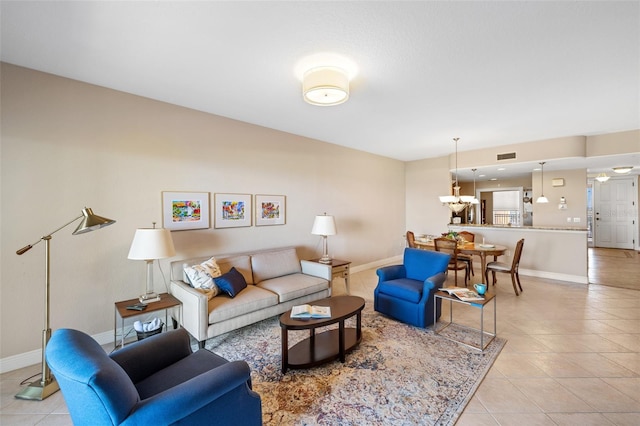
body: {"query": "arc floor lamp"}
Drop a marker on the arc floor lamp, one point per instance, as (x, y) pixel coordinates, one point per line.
(47, 385)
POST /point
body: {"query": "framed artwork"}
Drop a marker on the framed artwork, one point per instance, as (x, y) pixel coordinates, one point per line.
(232, 210)
(182, 211)
(270, 210)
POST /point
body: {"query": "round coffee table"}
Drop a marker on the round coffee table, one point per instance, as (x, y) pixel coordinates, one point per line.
(325, 346)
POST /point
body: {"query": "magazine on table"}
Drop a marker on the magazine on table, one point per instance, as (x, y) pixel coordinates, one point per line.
(463, 294)
(308, 311)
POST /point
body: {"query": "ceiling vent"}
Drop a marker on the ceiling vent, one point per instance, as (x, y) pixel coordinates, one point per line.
(507, 156)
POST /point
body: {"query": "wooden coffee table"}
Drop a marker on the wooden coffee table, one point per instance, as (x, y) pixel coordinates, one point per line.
(325, 346)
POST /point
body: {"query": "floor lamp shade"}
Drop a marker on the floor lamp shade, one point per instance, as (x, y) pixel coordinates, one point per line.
(324, 225)
(150, 244)
(48, 385)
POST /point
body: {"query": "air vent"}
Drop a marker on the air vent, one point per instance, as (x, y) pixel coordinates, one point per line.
(508, 156)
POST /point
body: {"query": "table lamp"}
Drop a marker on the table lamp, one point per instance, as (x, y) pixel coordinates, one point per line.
(150, 244)
(48, 385)
(324, 225)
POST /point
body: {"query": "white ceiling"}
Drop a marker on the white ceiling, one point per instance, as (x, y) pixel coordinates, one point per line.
(492, 73)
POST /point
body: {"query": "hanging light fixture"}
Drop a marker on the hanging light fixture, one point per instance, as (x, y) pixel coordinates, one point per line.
(475, 200)
(602, 177)
(456, 202)
(542, 199)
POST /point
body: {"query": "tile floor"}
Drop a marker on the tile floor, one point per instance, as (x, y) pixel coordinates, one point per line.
(572, 358)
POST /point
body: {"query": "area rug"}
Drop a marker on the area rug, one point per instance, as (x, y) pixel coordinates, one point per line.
(398, 375)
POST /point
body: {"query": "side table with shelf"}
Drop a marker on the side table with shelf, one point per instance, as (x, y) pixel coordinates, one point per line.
(339, 268)
(165, 303)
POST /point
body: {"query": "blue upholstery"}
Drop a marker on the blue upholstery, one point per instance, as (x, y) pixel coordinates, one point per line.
(405, 292)
(157, 381)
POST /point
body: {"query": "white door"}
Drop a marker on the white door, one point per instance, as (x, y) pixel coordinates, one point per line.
(614, 208)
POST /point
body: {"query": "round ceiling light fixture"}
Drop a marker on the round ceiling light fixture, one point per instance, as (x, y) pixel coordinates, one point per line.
(325, 86)
(624, 169)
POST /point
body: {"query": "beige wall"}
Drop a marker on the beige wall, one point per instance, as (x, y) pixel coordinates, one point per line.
(66, 145)
(575, 192)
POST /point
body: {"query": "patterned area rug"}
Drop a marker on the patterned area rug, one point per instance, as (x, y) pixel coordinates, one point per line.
(398, 375)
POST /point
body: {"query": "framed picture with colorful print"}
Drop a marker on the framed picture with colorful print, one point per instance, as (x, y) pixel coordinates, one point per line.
(232, 210)
(270, 210)
(182, 211)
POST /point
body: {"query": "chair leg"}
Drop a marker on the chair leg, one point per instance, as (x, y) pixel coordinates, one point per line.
(494, 277)
(518, 279)
(513, 281)
(455, 273)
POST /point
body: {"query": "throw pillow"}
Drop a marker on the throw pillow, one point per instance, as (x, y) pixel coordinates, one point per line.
(201, 277)
(231, 283)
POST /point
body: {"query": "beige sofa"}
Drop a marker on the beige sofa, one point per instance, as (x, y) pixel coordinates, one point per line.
(276, 281)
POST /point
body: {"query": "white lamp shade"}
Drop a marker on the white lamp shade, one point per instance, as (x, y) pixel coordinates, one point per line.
(623, 169)
(324, 225)
(542, 200)
(325, 86)
(151, 244)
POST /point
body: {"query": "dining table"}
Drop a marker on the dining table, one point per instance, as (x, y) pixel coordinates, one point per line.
(469, 247)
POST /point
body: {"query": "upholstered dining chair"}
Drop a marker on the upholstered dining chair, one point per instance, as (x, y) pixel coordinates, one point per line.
(411, 240)
(469, 237)
(508, 269)
(450, 247)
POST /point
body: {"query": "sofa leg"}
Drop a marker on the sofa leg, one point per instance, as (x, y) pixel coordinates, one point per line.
(175, 323)
(201, 344)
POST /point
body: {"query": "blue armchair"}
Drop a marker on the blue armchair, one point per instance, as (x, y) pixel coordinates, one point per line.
(157, 381)
(405, 292)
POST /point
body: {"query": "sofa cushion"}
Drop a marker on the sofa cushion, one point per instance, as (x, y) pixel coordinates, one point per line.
(272, 264)
(402, 288)
(292, 286)
(242, 264)
(231, 283)
(250, 299)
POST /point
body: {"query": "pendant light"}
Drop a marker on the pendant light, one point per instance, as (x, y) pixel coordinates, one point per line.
(456, 202)
(542, 199)
(602, 177)
(475, 200)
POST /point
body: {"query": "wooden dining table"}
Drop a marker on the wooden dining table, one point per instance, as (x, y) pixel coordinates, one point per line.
(467, 247)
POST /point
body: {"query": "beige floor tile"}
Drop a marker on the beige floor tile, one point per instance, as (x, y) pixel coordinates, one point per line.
(623, 419)
(601, 396)
(557, 365)
(520, 419)
(501, 396)
(630, 386)
(628, 341)
(523, 343)
(580, 419)
(579, 343)
(551, 396)
(630, 360)
(20, 419)
(476, 419)
(513, 365)
(475, 406)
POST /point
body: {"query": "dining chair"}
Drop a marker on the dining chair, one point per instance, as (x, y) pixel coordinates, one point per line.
(508, 269)
(411, 240)
(450, 247)
(469, 237)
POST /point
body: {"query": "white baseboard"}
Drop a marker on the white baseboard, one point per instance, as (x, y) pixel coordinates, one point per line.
(34, 357)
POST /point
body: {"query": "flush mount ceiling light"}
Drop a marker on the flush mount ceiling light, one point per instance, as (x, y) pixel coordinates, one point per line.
(325, 86)
(623, 169)
(602, 177)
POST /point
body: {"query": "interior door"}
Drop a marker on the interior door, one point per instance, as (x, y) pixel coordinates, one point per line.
(614, 205)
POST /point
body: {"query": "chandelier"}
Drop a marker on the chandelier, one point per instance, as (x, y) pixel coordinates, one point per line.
(456, 202)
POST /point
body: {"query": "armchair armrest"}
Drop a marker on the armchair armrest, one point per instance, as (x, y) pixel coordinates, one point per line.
(432, 284)
(316, 269)
(188, 397)
(158, 351)
(195, 309)
(391, 272)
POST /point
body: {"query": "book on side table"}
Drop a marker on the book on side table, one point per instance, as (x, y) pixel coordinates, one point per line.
(308, 311)
(463, 294)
